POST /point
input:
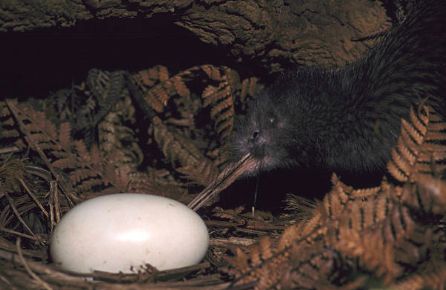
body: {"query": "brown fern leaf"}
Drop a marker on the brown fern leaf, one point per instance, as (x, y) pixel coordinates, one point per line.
(243, 264)
(253, 87)
(265, 247)
(245, 89)
(216, 95)
(81, 150)
(249, 88)
(175, 146)
(96, 175)
(4, 110)
(231, 214)
(207, 92)
(5, 134)
(9, 135)
(154, 184)
(88, 185)
(434, 277)
(212, 72)
(363, 216)
(80, 174)
(158, 72)
(95, 155)
(71, 156)
(223, 113)
(143, 80)
(389, 232)
(65, 162)
(158, 95)
(427, 195)
(180, 86)
(65, 134)
(157, 98)
(219, 97)
(258, 267)
(419, 149)
(407, 236)
(222, 102)
(203, 173)
(10, 173)
(117, 139)
(148, 78)
(318, 267)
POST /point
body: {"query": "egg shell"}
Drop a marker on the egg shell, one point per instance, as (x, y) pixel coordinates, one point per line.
(114, 233)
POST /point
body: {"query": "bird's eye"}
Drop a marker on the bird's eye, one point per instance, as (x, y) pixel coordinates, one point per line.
(271, 120)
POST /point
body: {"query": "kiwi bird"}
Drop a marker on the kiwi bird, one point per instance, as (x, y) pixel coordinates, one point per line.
(347, 120)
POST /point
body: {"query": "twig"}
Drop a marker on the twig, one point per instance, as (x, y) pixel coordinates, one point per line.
(28, 269)
(34, 238)
(16, 212)
(49, 271)
(5, 281)
(33, 197)
(9, 150)
(54, 205)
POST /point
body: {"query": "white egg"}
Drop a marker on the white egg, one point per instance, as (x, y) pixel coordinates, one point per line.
(118, 232)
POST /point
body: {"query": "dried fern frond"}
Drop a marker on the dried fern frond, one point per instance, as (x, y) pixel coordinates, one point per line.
(145, 79)
(203, 173)
(86, 169)
(116, 138)
(152, 184)
(158, 95)
(250, 87)
(434, 277)
(107, 87)
(420, 148)
(218, 98)
(221, 99)
(10, 173)
(387, 232)
(173, 135)
(8, 128)
(407, 238)
(172, 147)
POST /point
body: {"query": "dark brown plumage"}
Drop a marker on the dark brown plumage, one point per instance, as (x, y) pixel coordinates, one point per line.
(347, 120)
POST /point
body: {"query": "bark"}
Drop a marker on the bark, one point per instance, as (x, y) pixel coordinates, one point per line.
(275, 33)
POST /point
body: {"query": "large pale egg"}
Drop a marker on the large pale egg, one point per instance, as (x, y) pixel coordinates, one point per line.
(121, 232)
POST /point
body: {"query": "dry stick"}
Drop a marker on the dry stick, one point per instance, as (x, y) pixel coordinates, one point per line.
(224, 179)
(54, 205)
(50, 272)
(16, 212)
(7, 246)
(5, 281)
(9, 150)
(19, 234)
(54, 191)
(62, 184)
(33, 197)
(51, 205)
(28, 269)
